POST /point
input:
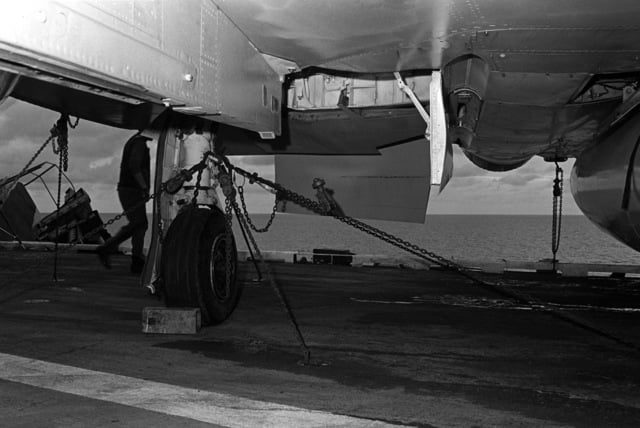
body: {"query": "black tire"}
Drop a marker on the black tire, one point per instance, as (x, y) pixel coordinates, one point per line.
(194, 265)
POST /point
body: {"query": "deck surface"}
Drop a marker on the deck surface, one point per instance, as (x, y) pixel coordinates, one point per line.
(389, 346)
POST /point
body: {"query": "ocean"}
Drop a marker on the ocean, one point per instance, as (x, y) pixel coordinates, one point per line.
(459, 237)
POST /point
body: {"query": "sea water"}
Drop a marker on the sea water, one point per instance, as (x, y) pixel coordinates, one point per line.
(460, 237)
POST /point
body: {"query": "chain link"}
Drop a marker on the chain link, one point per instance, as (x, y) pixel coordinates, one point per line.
(517, 296)
(36, 154)
(288, 195)
(284, 195)
(73, 125)
(160, 228)
(370, 230)
(228, 247)
(163, 188)
(61, 132)
(93, 232)
(245, 213)
(65, 157)
(196, 190)
(55, 260)
(230, 203)
(63, 151)
(558, 188)
(54, 133)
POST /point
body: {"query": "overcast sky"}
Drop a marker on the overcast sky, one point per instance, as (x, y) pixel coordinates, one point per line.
(94, 159)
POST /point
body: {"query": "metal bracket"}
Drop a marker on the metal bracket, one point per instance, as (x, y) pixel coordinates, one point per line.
(436, 132)
(631, 100)
(416, 102)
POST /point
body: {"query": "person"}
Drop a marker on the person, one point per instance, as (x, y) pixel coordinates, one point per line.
(133, 190)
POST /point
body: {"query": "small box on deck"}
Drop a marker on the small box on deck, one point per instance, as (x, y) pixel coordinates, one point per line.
(171, 320)
(330, 256)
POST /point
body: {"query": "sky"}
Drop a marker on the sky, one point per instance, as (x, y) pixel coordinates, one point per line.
(94, 160)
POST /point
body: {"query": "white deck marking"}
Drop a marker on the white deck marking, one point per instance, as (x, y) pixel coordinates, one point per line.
(204, 406)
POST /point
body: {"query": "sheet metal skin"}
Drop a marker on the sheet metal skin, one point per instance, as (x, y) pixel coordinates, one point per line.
(547, 36)
(187, 55)
(599, 178)
(540, 53)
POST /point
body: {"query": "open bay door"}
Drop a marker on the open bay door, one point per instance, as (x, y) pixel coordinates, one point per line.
(392, 186)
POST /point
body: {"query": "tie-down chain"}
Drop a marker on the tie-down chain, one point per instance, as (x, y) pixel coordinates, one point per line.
(283, 194)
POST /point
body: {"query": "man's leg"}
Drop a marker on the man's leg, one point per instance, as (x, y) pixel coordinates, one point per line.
(137, 243)
(111, 244)
(137, 217)
(138, 222)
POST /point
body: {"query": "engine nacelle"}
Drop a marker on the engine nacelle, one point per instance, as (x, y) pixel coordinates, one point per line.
(604, 182)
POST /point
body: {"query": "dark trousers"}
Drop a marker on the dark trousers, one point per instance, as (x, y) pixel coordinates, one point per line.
(137, 226)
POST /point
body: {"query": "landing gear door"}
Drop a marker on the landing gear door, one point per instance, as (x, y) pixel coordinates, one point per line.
(392, 186)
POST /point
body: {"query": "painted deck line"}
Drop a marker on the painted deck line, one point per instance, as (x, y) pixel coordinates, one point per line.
(203, 406)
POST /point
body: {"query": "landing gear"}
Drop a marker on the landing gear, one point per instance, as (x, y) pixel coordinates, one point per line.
(197, 269)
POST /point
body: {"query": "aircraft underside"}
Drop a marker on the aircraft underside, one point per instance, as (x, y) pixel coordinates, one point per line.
(388, 87)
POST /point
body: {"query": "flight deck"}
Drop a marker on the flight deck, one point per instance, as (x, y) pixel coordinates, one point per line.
(389, 347)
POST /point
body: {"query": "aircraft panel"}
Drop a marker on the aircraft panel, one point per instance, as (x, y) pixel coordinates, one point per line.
(380, 35)
(513, 123)
(186, 53)
(578, 126)
(538, 89)
(392, 186)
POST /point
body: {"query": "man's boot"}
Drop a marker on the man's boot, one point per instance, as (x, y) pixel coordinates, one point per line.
(104, 256)
(137, 264)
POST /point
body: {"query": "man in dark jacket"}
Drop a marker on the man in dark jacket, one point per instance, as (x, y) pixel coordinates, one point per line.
(133, 189)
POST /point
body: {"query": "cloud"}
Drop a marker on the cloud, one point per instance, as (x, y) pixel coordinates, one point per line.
(102, 162)
(525, 190)
(464, 168)
(518, 179)
(93, 150)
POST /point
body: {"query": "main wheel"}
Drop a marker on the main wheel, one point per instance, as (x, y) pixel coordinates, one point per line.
(199, 265)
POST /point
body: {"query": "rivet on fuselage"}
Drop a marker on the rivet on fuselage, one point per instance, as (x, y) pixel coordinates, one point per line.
(41, 16)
